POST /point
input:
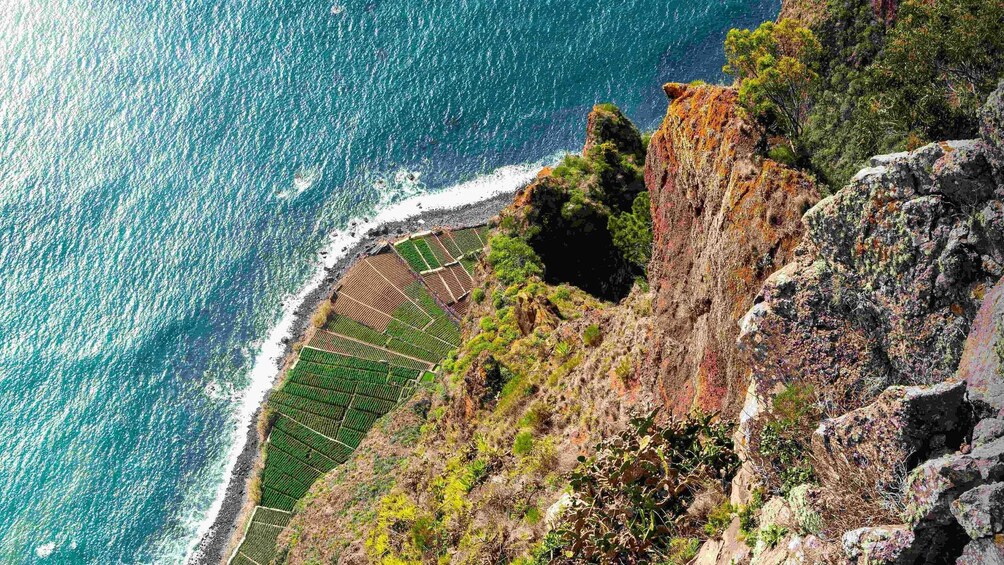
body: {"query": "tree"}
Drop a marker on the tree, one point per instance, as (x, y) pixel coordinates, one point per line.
(632, 231)
(776, 65)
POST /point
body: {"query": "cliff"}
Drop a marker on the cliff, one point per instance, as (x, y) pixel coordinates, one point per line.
(724, 218)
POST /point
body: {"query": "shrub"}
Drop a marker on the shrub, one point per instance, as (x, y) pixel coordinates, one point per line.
(772, 534)
(523, 443)
(478, 295)
(629, 499)
(776, 68)
(513, 260)
(783, 154)
(592, 336)
(719, 519)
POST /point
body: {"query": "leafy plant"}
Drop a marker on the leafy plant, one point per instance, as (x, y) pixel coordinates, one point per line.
(592, 336)
(629, 500)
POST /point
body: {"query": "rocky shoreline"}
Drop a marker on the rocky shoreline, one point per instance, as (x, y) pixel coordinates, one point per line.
(213, 545)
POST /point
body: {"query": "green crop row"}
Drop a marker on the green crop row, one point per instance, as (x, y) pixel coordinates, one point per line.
(271, 517)
(420, 338)
(468, 240)
(329, 358)
(320, 425)
(343, 376)
(417, 292)
(370, 404)
(411, 315)
(330, 411)
(450, 245)
(359, 421)
(291, 466)
(349, 437)
(405, 348)
(446, 330)
(364, 351)
(410, 253)
(318, 394)
(275, 499)
(427, 254)
(343, 386)
(240, 559)
(318, 443)
(282, 444)
(351, 328)
(385, 392)
(275, 479)
(259, 544)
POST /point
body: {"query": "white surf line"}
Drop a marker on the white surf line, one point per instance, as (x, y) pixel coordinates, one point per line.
(504, 180)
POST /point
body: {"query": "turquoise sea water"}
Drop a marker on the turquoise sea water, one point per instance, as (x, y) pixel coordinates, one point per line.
(150, 225)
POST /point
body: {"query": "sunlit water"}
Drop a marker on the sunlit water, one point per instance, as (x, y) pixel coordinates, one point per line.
(169, 171)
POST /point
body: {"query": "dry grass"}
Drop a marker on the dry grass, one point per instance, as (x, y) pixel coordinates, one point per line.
(853, 497)
(321, 315)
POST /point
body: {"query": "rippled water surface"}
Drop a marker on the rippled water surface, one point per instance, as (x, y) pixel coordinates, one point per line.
(151, 224)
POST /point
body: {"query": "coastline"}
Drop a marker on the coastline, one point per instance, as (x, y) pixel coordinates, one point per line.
(214, 543)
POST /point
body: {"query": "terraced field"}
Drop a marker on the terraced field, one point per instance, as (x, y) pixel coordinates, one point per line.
(395, 318)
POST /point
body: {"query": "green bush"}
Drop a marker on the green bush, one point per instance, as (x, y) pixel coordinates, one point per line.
(523, 444)
(783, 154)
(478, 295)
(592, 336)
(513, 260)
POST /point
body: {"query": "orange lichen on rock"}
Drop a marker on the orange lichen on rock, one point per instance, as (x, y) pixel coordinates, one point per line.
(724, 218)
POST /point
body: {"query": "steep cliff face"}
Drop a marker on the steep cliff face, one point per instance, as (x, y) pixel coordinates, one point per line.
(723, 220)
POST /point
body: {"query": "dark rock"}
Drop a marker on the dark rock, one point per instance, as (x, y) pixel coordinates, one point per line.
(980, 511)
(903, 426)
(982, 552)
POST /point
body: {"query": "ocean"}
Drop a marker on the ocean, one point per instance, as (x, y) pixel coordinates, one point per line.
(171, 170)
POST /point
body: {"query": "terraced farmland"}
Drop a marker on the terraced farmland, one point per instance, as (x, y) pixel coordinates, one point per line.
(394, 320)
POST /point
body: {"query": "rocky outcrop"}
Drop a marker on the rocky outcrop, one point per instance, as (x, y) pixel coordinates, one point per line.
(723, 219)
(982, 365)
(905, 425)
(887, 280)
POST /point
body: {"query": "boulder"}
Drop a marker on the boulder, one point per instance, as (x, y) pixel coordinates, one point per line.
(903, 426)
(982, 552)
(981, 364)
(880, 545)
(932, 486)
(980, 511)
(987, 430)
(886, 281)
